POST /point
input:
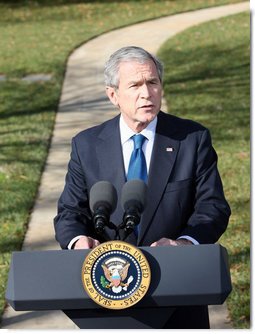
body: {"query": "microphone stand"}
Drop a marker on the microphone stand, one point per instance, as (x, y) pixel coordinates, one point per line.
(130, 220)
(100, 224)
(128, 229)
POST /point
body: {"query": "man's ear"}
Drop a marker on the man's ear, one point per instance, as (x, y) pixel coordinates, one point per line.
(112, 95)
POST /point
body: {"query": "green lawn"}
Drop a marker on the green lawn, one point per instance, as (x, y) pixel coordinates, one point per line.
(207, 79)
(37, 37)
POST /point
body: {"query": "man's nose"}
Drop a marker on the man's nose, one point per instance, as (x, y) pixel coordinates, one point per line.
(145, 91)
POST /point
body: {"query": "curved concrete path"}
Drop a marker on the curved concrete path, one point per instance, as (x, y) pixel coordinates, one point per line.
(83, 104)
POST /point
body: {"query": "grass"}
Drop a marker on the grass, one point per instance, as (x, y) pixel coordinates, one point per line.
(207, 79)
(37, 37)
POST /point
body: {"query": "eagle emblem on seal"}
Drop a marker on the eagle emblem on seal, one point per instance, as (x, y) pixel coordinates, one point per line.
(115, 273)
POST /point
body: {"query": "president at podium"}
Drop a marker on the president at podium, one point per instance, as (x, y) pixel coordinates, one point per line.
(174, 157)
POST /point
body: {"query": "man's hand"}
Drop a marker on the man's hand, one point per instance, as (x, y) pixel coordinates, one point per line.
(170, 242)
(85, 243)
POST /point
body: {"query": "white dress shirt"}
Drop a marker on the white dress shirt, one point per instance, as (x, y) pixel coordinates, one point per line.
(128, 144)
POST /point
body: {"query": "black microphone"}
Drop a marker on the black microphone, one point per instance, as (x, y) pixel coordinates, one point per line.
(102, 202)
(133, 201)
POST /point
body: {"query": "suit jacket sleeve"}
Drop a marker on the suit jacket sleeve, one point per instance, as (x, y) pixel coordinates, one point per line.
(211, 211)
(74, 215)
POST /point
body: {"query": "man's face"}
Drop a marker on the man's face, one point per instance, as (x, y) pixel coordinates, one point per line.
(139, 93)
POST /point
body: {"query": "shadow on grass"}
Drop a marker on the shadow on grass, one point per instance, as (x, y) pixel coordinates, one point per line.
(240, 257)
(211, 85)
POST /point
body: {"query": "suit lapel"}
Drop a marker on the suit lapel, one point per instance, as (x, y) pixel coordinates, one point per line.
(109, 153)
(163, 158)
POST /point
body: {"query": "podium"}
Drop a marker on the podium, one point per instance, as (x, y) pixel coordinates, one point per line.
(180, 276)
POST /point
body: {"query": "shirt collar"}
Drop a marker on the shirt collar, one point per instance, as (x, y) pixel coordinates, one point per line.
(126, 133)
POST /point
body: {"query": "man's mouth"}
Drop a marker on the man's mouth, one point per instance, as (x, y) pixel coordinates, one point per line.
(147, 106)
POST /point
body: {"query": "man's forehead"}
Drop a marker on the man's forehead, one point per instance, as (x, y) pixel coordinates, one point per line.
(129, 69)
(133, 63)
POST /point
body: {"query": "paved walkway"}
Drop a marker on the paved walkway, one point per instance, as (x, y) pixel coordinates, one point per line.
(83, 104)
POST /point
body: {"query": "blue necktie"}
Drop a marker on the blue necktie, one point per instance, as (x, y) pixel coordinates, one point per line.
(137, 168)
(137, 165)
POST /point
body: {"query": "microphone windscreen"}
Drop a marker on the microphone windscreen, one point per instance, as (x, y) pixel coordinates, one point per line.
(103, 193)
(134, 194)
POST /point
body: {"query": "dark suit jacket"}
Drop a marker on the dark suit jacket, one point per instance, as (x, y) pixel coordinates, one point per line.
(185, 194)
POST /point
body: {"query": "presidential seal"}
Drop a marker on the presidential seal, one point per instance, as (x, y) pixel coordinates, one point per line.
(116, 275)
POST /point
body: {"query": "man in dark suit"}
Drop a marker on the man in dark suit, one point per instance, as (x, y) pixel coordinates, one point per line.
(186, 203)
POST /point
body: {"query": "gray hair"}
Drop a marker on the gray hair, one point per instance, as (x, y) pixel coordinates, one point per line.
(129, 53)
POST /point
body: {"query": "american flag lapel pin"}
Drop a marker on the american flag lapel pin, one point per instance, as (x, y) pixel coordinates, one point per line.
(169, 149)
